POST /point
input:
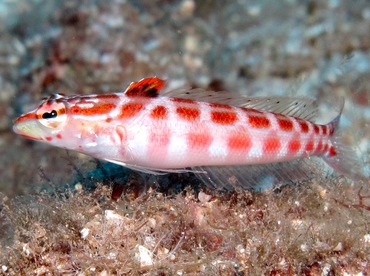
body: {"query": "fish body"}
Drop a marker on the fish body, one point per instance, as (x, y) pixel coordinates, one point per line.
(149, 132)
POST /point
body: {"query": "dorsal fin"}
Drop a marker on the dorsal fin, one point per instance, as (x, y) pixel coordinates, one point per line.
(148, 87)
(299, 107)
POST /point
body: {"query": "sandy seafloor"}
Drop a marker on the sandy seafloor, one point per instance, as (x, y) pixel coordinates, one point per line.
(114, 222)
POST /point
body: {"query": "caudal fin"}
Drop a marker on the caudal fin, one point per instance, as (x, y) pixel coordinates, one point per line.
(342, 157)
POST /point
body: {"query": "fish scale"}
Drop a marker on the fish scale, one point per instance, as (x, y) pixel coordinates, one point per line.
(143, 130)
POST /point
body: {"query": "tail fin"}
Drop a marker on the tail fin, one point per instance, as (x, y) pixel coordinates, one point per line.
(342, 157)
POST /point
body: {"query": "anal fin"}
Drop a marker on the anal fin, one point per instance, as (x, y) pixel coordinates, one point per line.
(258, 177)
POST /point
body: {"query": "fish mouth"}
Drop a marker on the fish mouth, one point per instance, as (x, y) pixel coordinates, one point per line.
(29, 129)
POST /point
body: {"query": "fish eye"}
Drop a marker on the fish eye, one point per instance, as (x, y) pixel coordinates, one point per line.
(49, 115)
(52, 115)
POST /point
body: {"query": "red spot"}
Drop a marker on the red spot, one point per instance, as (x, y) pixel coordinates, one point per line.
(224, 118)
(285, 124)
(48, 138)
(309, 146)
(319, 146)
(239, 141)
(217, 105)
(187, 113)
(159, 112)
(160, 138)
(108, 120)
(59, 136)
(259, 121)
(294, 145)
(148, 87)
(316, 129)
(326, 147)
(104, 108)
(332, 151)
(271, 145)
(304, 126)
(97, 109)
(199, 140)
(324, 130)
(129, 110)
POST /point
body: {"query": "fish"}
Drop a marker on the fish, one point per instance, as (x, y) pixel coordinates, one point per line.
(229, 141)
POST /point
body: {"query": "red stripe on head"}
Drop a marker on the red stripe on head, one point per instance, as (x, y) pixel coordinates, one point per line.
(129, 110)
(159, 112)
(239, 142)
(259, 121)
(285, 124)
(199, 140)
(271, 145)
(25, 117)
(187, 113)
(294, 145)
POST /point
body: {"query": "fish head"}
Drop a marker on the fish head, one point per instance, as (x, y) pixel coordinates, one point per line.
(45, 122)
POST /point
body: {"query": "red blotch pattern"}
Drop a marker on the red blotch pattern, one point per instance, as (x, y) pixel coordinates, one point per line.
(259, 121)
(304, 126)
(187, 113)
(319, 146)
(223, 118)
(316, 129)
(48, 138)
(59, 136)
(285, 124)
(294, 146)
(271, 145)
(309, 146)
(240, 141)
(159, 112)
(199, 140)
(332, 151)
(324, 130)
(129, 110)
